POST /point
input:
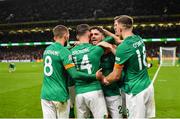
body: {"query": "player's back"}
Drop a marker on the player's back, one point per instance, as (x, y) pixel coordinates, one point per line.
(133, 56)
(55, 77)
(87, 59)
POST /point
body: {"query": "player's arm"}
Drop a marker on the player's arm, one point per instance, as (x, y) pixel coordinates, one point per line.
(116, 38)
(108, 46)
(116, 73)
(84, 76)
(123, 53)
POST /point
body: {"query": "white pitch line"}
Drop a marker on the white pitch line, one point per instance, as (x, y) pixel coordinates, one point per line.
(155, 76)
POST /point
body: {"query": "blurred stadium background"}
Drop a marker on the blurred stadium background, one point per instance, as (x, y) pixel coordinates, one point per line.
(26, 30)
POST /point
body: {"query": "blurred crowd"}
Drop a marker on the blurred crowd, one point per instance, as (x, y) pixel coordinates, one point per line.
(22, 53)
(36, 52)
(26, 37)
(46, 36)
(40, 10)
(13, 11)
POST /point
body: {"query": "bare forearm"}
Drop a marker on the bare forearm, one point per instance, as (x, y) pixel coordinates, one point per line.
(80, 75)
(111, 77)
(115, 74)
(113, 49)
(116, 38)
(108, 47)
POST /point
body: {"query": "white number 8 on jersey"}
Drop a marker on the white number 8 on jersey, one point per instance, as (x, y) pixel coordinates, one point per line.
(48, 64)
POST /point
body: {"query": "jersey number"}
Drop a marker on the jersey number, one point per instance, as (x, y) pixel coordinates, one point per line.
(85, 64)
(139, 58)
(48, 65)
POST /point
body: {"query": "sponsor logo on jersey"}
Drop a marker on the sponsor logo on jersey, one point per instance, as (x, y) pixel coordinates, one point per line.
(117, 58)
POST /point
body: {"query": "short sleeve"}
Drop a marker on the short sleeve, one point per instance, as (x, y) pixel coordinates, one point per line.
(66, 58)
(123, 53)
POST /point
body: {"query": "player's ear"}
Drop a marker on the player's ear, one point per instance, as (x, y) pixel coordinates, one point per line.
(55, 38)
(77, 37)
(66, 36)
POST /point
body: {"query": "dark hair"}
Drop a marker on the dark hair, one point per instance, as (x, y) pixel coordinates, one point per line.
(60, 30)
(82, 29)
(98, 28)
(126, 20)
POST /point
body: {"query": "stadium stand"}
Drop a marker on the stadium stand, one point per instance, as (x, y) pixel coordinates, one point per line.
(22, 53)
(40, 10)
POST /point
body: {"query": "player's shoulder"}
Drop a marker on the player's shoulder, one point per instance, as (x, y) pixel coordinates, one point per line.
(54, 46)
(129, 41)
(132, 39)
(124, 48)
(74, 48)
(57, 47)
(11, 63)
(123, 45)
(96, 47)
(64, 50)
(81, 46)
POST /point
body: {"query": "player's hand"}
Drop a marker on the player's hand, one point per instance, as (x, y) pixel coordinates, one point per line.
(99, 75)
(105, 81)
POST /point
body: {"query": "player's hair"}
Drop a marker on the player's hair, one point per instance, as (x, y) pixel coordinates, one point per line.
(82, 29)
(116, 17)
(99, 29)
(125, 20)
(60, 30)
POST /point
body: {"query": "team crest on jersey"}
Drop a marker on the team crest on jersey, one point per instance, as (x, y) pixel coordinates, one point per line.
(70, 57)
(117, 59)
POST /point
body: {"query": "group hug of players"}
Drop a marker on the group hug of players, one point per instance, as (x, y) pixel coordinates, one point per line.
(108, 72)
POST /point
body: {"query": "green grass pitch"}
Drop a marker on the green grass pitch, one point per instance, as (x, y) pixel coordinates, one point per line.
(20, 90)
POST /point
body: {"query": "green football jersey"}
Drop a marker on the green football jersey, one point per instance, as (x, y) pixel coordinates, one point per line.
(87, 59)
(107, 64)
(55, 84)
(11, 65)
(132, 54)
(109, 39)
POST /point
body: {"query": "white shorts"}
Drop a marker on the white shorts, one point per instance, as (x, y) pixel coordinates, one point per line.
(55, 109)
(141, 105)
(114, 106)
(91, 101)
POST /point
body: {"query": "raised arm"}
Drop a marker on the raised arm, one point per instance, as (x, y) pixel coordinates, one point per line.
(116, 38)
(108, 46)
